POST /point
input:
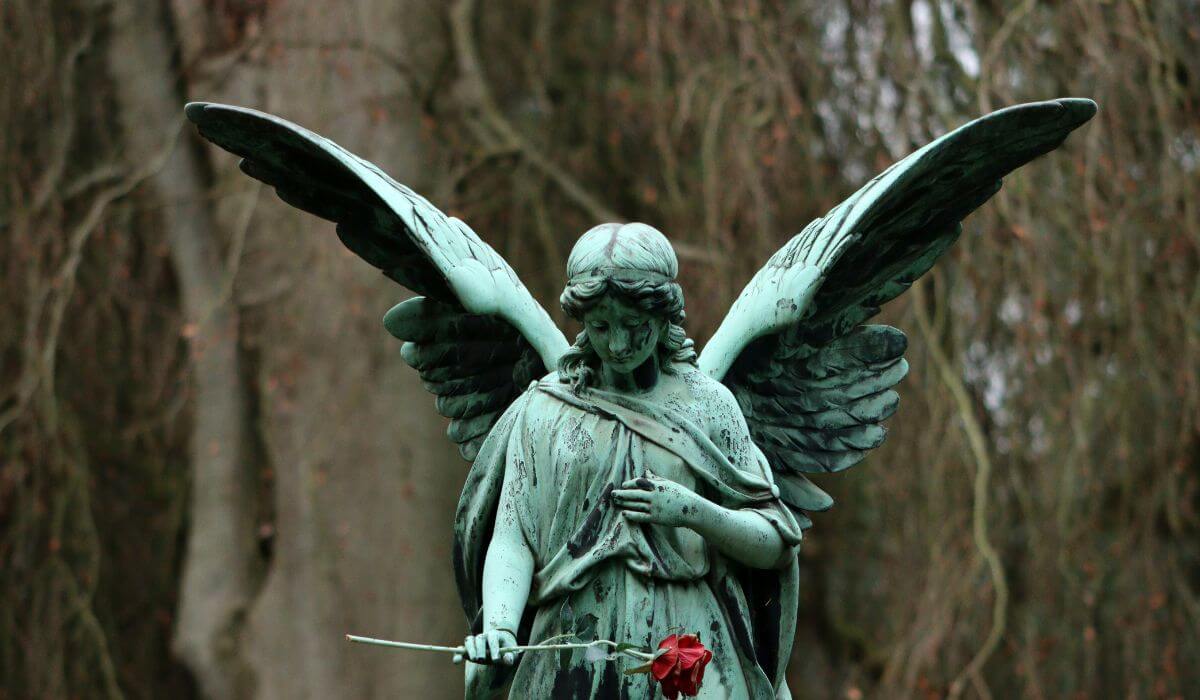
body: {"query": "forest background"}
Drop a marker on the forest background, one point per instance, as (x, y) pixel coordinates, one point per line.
(213, 463)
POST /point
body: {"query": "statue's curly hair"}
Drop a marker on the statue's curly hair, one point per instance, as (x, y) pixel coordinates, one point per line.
(636, 264)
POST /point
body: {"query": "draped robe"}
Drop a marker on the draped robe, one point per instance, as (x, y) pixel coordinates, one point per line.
(551, 462)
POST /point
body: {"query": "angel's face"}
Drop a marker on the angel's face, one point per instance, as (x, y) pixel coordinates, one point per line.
(624, 336)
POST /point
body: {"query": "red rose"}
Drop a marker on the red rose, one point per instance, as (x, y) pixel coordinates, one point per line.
(680, 668)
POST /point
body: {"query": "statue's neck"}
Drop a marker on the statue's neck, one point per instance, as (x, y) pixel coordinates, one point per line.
(644, 377)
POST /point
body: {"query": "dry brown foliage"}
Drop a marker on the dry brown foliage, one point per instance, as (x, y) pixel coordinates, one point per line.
(1058, 553)
(1031, 528)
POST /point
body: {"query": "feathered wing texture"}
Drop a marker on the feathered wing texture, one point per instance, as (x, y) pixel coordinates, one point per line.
(476, 365)
(816, 388)
(476, 335)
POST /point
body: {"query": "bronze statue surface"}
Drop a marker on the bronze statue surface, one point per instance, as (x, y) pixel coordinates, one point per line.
(625, 486)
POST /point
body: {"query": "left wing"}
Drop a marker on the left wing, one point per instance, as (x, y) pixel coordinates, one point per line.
(476, 335)
(813, 383)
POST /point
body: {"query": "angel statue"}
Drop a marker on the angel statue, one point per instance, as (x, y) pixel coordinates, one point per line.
(626, 484)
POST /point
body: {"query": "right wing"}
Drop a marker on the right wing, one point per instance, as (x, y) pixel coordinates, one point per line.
(813, 382)
(475, 334)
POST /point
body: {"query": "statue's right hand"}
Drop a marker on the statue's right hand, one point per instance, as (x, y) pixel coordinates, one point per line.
(485, 648)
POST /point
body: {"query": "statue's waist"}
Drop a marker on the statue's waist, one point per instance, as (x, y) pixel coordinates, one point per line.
(654, 562)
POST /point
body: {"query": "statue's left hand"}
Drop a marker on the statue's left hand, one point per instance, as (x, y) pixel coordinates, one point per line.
(653, 499)
(485, 648)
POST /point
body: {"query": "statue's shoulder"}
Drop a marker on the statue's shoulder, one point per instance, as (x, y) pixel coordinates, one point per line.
(705, 392)
(532, 403)
(550, 379)
(532, 396)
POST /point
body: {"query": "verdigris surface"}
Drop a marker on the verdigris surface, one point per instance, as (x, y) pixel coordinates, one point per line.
(624, 487)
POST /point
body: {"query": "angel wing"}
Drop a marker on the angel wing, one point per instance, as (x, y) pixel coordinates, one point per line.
(475, 334)
(815, 384)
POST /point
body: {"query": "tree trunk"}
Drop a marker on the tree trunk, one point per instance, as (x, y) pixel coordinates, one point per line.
(360, 531)
(365, 480)
(220, 570)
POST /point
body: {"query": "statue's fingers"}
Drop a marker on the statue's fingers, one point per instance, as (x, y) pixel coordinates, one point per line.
(472, 648)
(635, 516)
(643, 499)
(630, 495)
(636, 507)
(493, 645)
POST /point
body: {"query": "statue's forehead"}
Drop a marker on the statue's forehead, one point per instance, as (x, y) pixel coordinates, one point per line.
(611, 305)
(623, 274)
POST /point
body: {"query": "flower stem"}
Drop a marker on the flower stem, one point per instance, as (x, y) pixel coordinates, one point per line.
(530, 647)
(581, 645)
(403, 645)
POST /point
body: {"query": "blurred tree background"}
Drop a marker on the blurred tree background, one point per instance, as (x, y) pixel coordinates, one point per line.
(213, 463)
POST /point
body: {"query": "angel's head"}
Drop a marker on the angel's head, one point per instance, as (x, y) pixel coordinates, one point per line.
(621, 286)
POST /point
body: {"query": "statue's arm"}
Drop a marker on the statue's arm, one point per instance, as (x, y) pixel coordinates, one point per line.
(742, 535)
(745, 536)
(507, 576)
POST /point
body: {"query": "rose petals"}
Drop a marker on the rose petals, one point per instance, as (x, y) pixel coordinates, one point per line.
(679, 668)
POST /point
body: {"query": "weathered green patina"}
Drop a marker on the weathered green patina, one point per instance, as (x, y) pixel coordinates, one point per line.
(623, 486)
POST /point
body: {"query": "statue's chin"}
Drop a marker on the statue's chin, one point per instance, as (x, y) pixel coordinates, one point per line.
(630, 366)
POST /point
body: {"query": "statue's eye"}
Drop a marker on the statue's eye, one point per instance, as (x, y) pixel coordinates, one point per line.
(599, 326)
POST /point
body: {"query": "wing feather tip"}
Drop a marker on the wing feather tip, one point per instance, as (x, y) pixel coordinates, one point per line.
(195, 111)
(1079, 109)
(470, 450)
(400, 318)
(799, 492)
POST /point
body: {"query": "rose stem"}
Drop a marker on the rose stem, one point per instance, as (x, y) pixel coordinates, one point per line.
(531, 647)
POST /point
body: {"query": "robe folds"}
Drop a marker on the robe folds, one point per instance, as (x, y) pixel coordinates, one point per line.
(552, 462)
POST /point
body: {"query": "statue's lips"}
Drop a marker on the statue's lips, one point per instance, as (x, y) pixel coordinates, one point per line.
(622, 362)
